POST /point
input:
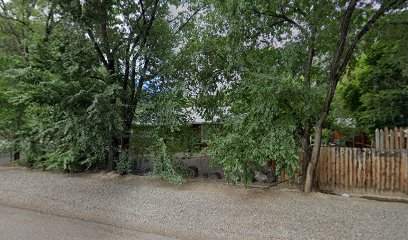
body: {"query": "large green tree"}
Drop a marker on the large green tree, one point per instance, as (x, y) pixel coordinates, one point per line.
(86, 67)
(134, 42)
(375, 92)
(324, 34)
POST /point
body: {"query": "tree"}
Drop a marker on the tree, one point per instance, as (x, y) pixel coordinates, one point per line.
(17, 32)
(320, 60)
(133, 41)
(87, 66)
(343, 53)
(232, 50)
(374, 91)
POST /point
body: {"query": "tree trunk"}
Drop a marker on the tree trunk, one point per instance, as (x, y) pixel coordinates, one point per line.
(334, 77)
(113, 155)
(311, 167)
(305, 136)
(125, 142)
(307, 153)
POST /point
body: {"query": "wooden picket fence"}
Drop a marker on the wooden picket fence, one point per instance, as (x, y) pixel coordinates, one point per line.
(391, 138)
(366, 169)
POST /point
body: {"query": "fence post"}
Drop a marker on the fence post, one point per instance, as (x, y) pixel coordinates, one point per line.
(386, 138)
(403, 171)
(381, 140)
(346, 169)
(378, 169)
(377, 138)
(396, 138)
(391, 139)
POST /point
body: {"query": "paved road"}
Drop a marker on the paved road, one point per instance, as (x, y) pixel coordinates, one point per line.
(196, 210)
(18, 224)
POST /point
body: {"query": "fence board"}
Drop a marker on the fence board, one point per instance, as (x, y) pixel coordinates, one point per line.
(352, 167)
(328, 167)
(387, 172)
(404, 173)
(378, 170)
(383, 170)
(346, 169)
(392, 171)
(359, 168)
(332, 156)
(367, 169)
(342, 169)
(320, 168)
(396, 170)
(324, 168)
(386, 138)
(373, 169)
(377, 138)
(323, 172)
(392, 146)
(355, 166)
(365, 163)
(338, 167)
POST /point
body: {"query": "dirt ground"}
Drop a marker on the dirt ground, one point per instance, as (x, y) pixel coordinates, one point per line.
(205, 209)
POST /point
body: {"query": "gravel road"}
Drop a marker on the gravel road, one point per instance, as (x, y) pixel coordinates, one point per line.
(18, 224)
(200, 210)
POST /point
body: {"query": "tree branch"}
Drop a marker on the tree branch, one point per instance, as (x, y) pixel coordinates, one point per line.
(189, 19)
(17, 20)
(334, 77)
(344, 30)
(98, 49)
(367, 26)
(48, 23)
(283, 17)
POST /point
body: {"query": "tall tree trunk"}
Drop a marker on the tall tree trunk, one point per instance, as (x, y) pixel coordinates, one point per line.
(113, 155)
(333, 80)
(129, 114)
(307, 154)
(305, 136)
(311, 167)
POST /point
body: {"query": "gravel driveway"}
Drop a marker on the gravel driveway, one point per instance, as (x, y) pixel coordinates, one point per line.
(201, 210)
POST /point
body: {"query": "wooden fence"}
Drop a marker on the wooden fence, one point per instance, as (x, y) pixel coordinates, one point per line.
(391, 139)
(366, 169)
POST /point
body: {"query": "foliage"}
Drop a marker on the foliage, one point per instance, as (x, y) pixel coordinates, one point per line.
(252, 86)
(125, 162)
(76, 75)
(184, 139)
(164, 164)
(376, 92)
(71, 91)
(259, 128)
